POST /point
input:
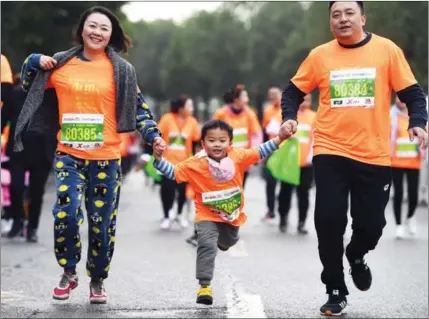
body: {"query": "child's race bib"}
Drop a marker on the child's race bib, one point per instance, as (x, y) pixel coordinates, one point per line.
(225, 203)
(82, 131)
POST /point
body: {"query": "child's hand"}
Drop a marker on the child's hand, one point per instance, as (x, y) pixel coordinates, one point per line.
(158, 148)
(287, 129)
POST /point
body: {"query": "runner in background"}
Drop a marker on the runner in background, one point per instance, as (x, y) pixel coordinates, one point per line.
(6, 100)
(351, 140)
(306, 118)
(271, 121)
(406, 162)
(129, 150)
(181, 131)
(244, 121)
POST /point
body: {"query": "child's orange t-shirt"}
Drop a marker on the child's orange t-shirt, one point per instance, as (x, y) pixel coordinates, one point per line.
(86, 95)
(213, 199)
(353, 119)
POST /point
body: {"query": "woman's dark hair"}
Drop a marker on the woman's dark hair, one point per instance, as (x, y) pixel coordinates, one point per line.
(228, 97)
(239, 88)
(119, 41)
(216, 124)
(177, 103)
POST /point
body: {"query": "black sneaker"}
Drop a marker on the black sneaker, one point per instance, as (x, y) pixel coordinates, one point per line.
(361, 274)
(222, 248)
(32, 235)
(17, 229)
(335, 306)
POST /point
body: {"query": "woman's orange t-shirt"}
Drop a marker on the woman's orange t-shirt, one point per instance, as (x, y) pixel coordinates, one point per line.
(86, 94)
(179, 136)
(355, 90)
(195, 171)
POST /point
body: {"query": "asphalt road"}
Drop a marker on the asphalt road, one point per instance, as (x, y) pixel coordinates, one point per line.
(267, 275)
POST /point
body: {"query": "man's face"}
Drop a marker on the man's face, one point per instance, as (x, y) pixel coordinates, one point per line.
(347, 21)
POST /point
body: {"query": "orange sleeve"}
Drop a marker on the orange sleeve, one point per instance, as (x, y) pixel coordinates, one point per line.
(305, 77)
(400, 74)
(247, 156)
(6, 71)
(181, 171)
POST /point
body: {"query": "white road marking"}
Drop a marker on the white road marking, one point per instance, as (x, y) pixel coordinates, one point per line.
(243, 305)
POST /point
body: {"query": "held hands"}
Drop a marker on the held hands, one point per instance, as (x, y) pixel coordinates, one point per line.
(287, 129)
(158, 147)
(421, 134)
(47, 63)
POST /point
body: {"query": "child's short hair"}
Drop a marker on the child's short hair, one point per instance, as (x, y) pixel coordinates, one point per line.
(214, 124)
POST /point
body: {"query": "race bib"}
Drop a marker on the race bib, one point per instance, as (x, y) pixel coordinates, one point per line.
(225, 203)
(176, 141)
(353, 88)
(82, 131)
(240, 137)
(303, 133)
(406, 148)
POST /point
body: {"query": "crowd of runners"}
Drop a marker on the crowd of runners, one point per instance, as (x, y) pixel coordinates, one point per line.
(76, 113)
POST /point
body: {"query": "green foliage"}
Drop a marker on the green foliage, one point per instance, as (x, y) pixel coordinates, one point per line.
(254, 43)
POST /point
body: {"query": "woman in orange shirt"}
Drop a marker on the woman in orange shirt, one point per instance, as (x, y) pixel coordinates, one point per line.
(91, 97)
(182, 132)
(406, 159)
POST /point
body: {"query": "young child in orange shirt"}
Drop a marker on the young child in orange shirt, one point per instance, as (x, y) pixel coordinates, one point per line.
(216, 175)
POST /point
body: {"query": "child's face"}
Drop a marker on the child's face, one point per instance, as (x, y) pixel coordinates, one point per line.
(217, 143)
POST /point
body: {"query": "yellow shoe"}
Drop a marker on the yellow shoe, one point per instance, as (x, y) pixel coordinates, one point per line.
(205, 295)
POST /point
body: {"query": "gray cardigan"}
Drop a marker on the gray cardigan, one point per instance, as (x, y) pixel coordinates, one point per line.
(40, 111)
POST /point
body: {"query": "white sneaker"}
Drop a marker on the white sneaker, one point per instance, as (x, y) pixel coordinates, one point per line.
(165, 224)
(6, 226)
(183, 222)
(400, 232)
(411, 226)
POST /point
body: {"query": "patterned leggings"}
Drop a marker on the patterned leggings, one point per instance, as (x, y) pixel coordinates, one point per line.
(99, 182)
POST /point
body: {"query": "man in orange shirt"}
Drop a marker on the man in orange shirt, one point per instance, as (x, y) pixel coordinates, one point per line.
(355, 74)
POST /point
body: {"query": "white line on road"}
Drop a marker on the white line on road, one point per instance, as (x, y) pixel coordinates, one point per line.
(243, 305)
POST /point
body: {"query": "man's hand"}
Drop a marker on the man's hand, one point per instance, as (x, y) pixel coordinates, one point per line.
(287, 129)
(421, 134)
(159, 146)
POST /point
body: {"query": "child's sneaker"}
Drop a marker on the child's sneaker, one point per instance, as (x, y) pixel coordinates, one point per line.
(97, 292)
(335, 306)
(205, 295)
(68, 282)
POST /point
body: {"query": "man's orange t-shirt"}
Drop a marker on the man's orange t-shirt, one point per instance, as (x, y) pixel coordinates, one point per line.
(355, 90)
(271, 120)
(195, 171)
(86, 102)
(179, 136)
(245, 125)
